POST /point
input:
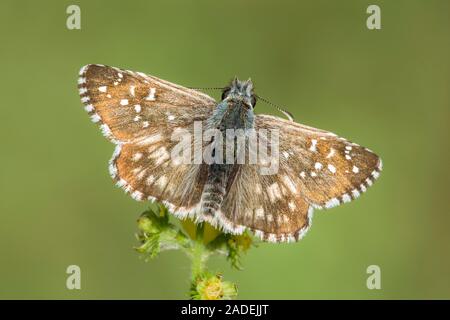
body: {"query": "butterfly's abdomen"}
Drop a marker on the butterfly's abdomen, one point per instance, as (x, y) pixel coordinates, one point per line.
(215, 188)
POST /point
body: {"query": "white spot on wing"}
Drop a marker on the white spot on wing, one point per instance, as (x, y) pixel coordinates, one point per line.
(274, 192)
(150, 180)
(95, 118)
(162, 182)
(355, 193)
(259, 213)
(121, 183)
(332, 203)
(112, 164)
(83, 70)
(313, 145)
(332, 168)
(346, 198)
(124, 102)
(380, 164)
(136, 195)
(331, 153)
(160, 155)
(137, 156)
(318, 166)
(151, 95)
(106, 130)
(292, 205)
(355, 169)
(102, 89)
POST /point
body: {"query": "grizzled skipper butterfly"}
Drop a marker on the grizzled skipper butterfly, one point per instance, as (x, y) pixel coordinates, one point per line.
(144, 116)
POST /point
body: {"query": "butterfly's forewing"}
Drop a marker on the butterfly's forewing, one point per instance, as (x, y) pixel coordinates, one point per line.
(329, 170)
(140, 113)
(317, 169)
(129, 105)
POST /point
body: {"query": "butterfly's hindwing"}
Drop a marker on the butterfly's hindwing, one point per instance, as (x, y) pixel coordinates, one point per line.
(146, 172)
(266, 204)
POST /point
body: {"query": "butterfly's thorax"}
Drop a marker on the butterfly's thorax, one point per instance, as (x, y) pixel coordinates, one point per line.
(235, 115)
(232, 114)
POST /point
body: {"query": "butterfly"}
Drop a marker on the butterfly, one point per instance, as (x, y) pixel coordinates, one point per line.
(140, 113)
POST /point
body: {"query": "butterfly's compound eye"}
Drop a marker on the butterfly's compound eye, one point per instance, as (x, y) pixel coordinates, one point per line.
(225, 93)
(253, 100)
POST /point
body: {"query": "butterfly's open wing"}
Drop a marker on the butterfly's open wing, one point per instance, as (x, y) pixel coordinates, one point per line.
(130, 106)
(329, 170)
(265, 204)
(317, 169)
(140, 113)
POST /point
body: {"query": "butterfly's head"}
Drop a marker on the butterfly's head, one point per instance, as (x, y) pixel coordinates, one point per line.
(240, 91)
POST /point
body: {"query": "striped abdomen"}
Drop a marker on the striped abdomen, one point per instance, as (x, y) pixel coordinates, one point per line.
(215, 187)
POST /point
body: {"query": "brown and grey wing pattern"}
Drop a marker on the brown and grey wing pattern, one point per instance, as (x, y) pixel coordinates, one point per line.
(140, 113)
(328, 170)
(317, 169)
(266, 204)
(131, 105)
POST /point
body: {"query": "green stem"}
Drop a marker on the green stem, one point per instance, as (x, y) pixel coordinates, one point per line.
(157, 234)
(199, 254)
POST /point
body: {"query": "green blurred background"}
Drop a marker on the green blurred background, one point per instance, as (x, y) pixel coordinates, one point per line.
(386, 89)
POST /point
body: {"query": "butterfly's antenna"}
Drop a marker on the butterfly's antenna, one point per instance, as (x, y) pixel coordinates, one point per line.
(208, 88)
(286, 113)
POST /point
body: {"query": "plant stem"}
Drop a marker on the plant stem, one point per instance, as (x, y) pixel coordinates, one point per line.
(199, 254)
(157, 233)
